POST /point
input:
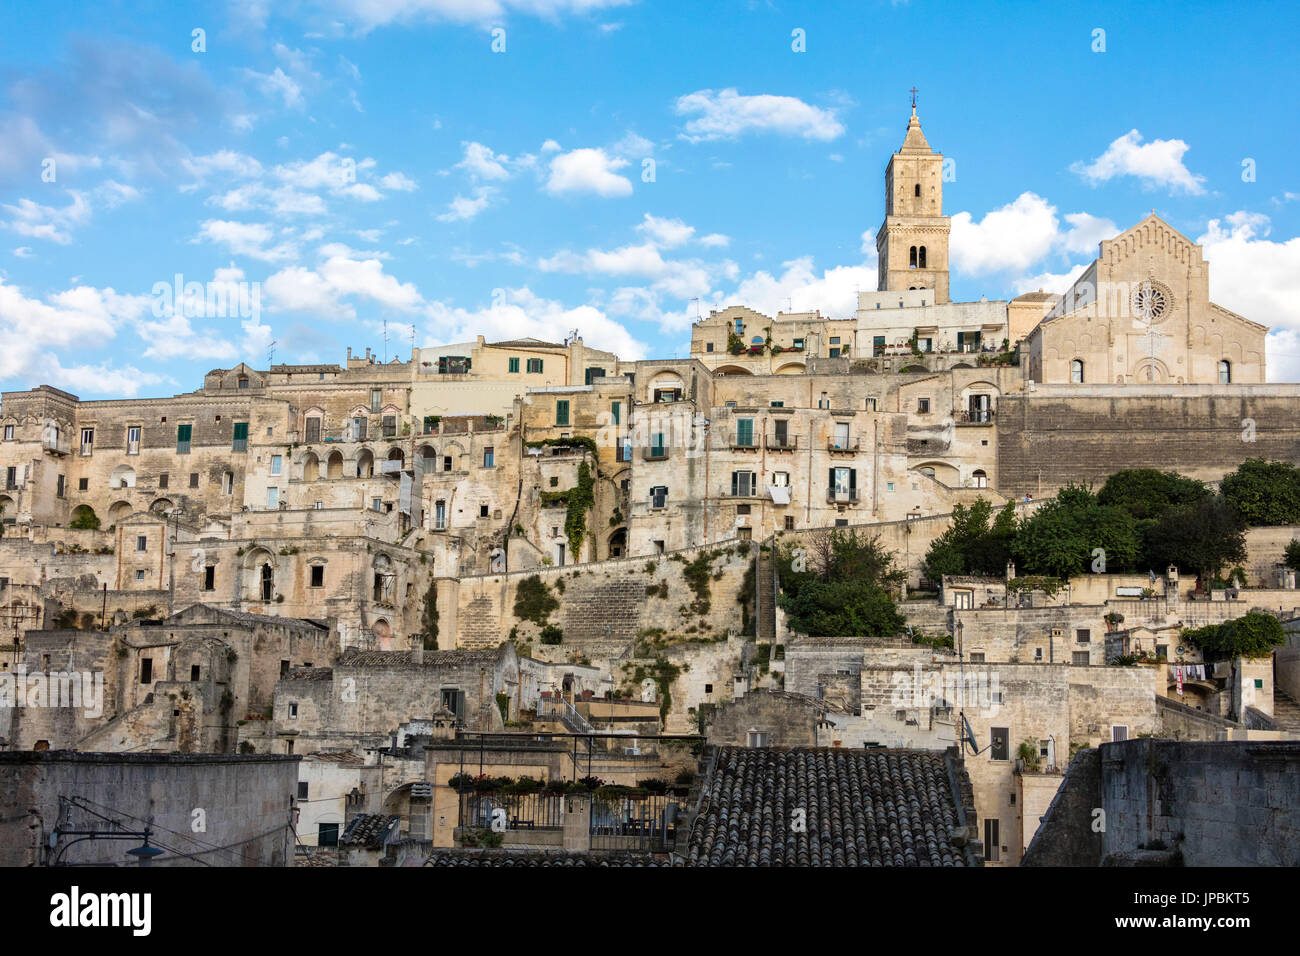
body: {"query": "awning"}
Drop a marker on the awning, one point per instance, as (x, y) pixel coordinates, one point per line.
(780, 495)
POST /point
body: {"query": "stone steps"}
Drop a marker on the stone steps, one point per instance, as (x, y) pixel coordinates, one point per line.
(1286, 712)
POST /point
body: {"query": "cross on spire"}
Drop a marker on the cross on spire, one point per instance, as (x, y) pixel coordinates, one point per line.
(913, 92)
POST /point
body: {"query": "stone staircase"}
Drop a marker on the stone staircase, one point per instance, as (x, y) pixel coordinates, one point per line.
(766, 606)
(1286, 713)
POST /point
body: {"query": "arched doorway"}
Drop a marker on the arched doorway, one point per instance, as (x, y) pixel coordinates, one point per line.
(618, 543)
(334, 465)
(365, 464)
(310, 466)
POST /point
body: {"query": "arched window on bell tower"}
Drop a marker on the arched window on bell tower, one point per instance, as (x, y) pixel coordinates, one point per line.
(911, 258)
(917, 192)
(921, 258)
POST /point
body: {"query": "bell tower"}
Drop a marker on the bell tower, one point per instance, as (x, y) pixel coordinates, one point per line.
(912, 244)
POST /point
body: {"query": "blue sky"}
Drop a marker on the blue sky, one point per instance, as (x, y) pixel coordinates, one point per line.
(617, 166)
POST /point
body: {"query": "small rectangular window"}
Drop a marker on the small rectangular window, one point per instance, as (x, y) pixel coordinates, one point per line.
(277, 463)
(210, 578)
(183, 433)
(162, 481)
(273, 497)
(513, 364)
(9, 433)
(240, 439)
(489, 457)
(318, 575)
(923, 406)
(142, 543)
(194, 479)
(534, 366)
(376, 399)
(83, 484)
(1001, 740)
(146, 670)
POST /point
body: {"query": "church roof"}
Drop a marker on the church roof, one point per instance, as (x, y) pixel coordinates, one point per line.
(915, 141)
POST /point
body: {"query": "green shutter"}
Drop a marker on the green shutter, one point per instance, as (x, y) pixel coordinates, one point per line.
(744, 431)
(562, 413)
(514, 365)
(241, 430)
(617, 411)
(183, 432)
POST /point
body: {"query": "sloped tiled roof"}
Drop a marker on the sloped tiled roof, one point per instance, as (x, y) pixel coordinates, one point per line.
(368, 830)
(354, 657)
(862, 808)
(506, 858)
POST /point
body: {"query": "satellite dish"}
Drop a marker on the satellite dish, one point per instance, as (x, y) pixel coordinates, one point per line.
(968, 735)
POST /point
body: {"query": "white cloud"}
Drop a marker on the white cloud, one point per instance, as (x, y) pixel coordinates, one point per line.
(398, 182)
(246, 239)
(666, 232)
(588, 171)
(550, 146)
(1087, 232)
(341, 274)
(715, 240)
(366, 15)
(464, 208)
(1157, 164)
(277, 84)
(226, 162)
(727, 114)
(23, 252)
(1259, 278)
(480, 162)
(522, 313)
(1013, 237)
(800, 288)
(49, 222)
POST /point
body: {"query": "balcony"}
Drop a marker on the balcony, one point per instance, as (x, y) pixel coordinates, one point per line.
(653, 453)
(841, 496)
(55, 445)
(843, 448)
(182, 448)
(750, 444)
(238, 444)
(87, 449)
(391, 467)
(789, 443)
(978, 416)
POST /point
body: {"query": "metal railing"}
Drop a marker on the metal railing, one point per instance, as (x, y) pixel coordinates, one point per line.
(518, 811)
(559, 708)
(849, 446)
(623, 822)
(841, 495)
(789, 443)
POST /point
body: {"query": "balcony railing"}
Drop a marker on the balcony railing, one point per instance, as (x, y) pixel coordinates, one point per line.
(238, 444)
(55, 446)
(653, 453)
(87, 448)
(182, 448)
(749, 444)
(789, 443)
(841, 495)
(846, 447)
(979, 416)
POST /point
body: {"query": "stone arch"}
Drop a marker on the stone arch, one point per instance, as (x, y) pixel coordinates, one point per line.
(334, 465)
(118, 510)
(396, 454)
(123, 476)
(259, 575)
(383, 633)
(791, 368)
(160, 506)
(383, 580)
(6, 506)
(732, 370)
(618, 543)
(365, 464)
(310, 467)
(84, 516)
(427, 453)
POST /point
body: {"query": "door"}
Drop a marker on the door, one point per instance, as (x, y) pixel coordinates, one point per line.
(841, 434)
(782, 429)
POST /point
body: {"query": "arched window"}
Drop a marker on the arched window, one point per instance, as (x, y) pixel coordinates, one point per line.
(1225, 372)
(917, 189)
(268, 583)
(921, 259)
(1076, 371)
(979, 478)
(911, 258)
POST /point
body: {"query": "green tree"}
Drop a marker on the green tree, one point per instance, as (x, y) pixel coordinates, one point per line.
(429, 617)
(1293, 554)
(1264, 492)
(1252, 635)
(1061, 538)
(840, 585)
(974, 543)
(1146, 493)
(1201, 536)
